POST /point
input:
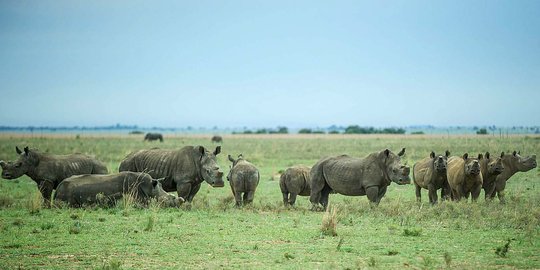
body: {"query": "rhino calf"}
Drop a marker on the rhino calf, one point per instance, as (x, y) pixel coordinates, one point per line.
(512, 164)
(49, 170)
(490, 168)
(430, 174)
(80, 190)
(243, 178)
(293, 182)
(465, 177)
(153, 137)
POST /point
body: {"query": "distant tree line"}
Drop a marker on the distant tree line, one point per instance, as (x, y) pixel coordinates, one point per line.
(355, 129)
(278, 130)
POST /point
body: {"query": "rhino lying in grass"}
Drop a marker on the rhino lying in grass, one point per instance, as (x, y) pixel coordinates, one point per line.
(490, 168)
(512, 164)
(153, 137)
(87, 189)
(244, 179)
(293, 182)
(356, 176)
(465, 177)
(430, 173)
(184, 169)
(49, 170)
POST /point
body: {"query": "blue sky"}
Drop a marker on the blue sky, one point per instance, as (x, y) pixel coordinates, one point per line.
(269, 63)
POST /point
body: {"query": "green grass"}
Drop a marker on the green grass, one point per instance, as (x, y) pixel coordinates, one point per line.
(399, 233)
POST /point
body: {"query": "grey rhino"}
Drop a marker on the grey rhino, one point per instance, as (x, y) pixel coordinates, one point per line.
(356, 176)
(512, 164)
(490, 168)
(184, 169)
(217, 139)
(293, 182)
(244, 179)
(430, 173)
(153, 137)
(80, 190)
(49, 170)
(465, 177)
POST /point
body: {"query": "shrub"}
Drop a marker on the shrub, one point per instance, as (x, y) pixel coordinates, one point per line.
(329, 222)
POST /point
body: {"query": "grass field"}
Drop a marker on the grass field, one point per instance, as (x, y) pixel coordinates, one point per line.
(397, 234)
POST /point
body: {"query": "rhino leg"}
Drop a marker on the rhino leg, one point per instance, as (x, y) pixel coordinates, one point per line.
(418, 192)
(324, 196)
(238, 199)
(475, 193)
(184, 190)
(432, 194)
(193, 191)
(373, 194)
(285, 198)
(46, 188)
(488, 190)
(446, 194)
(292, 199)
(248, 197)
(499, 188)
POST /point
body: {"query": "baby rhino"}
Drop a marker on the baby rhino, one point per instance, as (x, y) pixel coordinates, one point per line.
(294, 181)
(244, 178)
(465, 177)
(430, 173)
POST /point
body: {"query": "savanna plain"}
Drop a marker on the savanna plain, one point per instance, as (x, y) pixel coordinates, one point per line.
(213, 234)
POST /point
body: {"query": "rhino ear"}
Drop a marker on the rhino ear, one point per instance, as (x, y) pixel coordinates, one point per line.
(154, 183)
(402, 152)
(240, 156)
(26, 150)
(18, 150)
(201, 150)
(480, 156)
(3, 164)
(230, 158)
(432, 154)
(514, 153)
(217, 151)
(487, 155)
(447, 153)
(386, 152)
(502, 154)
(519, 152)
(465, 156)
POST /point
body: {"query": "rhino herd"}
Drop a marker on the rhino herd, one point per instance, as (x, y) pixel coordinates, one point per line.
(147, 174)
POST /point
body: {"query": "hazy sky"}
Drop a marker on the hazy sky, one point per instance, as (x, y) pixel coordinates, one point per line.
(268, 63)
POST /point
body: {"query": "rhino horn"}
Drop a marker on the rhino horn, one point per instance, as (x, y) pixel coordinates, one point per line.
(18, 150)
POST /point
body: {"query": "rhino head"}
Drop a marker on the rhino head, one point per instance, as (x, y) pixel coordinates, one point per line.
(27, 160)
(209, 167)
(164, 198)
(522, 164)
(494, 165)
(472, 165)
(439, 163)
(396, 171)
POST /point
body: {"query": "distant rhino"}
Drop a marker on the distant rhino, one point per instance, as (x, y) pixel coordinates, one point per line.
(244, 179)
(49, 170)
(294, 181)
(490, 168)
(512, 164)
(153, 137)
(88, 189)
(430, 173)
(465, 177)
(217, 139)
(356, 176)
(184, 169)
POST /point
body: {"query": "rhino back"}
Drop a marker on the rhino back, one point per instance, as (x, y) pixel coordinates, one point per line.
(56, 168)
(422, 172)
(244, 177)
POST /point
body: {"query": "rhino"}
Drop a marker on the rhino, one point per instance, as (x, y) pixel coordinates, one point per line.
(217, 139)
(351, 176)
(244, 179)
(87, 189)
(430, 173)
(512, 164)
(153, 137)
(293, 182)
(184, 169)
(49, 170)
(465, 177)
(490, 168)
